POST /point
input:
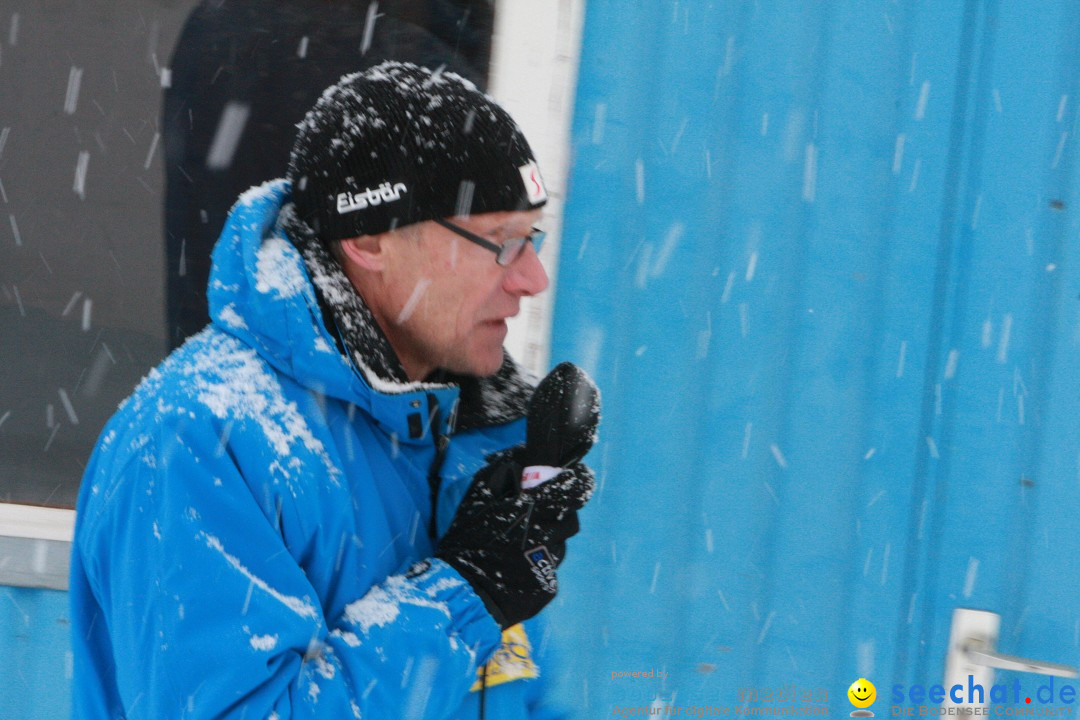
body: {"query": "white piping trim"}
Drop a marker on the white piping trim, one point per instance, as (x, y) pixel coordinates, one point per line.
(37, 523)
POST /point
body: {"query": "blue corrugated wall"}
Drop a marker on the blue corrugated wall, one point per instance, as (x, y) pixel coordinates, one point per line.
(817, 255)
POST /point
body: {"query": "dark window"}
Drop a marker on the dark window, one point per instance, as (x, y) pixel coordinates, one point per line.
(127, 129)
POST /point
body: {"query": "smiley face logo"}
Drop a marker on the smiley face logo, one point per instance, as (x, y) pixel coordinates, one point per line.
(862, 693)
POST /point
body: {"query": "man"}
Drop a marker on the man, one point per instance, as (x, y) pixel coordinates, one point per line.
(312, 509)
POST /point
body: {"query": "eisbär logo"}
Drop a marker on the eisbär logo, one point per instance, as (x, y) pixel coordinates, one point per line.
(534, 184)
(543, 567)
(350, 202)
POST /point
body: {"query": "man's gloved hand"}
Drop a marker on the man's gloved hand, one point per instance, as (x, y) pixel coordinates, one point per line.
(507, 542)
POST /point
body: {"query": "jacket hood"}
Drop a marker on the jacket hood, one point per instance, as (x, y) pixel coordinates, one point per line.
(277, 299)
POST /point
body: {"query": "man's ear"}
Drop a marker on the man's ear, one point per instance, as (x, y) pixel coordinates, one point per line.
(366, 251)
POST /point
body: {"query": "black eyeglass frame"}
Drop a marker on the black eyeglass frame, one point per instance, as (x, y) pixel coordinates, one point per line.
(506, 253)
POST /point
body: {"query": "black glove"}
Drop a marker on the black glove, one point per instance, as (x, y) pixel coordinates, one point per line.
(507, 542)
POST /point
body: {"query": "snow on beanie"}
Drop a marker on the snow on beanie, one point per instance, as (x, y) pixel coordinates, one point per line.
(398, 144)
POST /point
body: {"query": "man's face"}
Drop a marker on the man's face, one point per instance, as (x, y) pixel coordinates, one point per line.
(443, 301)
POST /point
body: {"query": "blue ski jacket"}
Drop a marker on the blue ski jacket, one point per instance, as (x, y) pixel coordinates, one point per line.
(248, 520)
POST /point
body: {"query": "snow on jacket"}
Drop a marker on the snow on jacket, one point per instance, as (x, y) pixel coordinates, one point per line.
(248, 518)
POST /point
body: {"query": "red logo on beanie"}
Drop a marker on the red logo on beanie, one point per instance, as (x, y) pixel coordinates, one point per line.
(534, 184)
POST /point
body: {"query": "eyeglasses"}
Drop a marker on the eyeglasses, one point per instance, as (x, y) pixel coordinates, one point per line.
(506, 253)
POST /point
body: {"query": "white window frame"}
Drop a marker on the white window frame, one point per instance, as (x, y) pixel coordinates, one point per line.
(536, 48)
(35, 545)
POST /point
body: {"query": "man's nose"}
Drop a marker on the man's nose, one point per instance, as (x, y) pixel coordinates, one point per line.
(526, 274)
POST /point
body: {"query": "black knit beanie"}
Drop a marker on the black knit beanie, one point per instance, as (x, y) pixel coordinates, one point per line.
(398, 144)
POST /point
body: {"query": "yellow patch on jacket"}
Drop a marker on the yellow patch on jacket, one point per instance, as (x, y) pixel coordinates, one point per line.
(512, 661)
